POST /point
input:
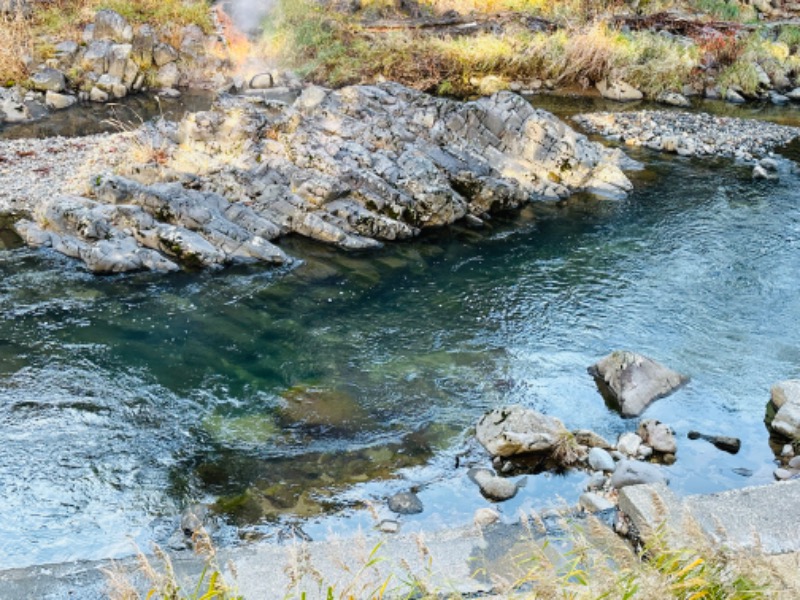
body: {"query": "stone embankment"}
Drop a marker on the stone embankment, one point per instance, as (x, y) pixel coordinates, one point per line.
(353, 167)
(690, 134)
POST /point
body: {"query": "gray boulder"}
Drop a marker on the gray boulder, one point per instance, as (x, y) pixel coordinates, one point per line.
(405, 503)
(58, 101)
(594, 502)
(632, 381)
(675, 99)
(142, 45)
(518, 430)
(262, 81)
(13, 110)
(600, 460)
(96, 56)
(110, 25)
(618, 90)
(163, 54)
(168, 76)
(632, 472)
(48, 79)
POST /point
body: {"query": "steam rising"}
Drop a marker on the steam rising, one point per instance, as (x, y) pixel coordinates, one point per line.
(248, 15)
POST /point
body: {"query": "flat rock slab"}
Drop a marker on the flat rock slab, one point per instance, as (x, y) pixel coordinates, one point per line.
(764, 516)
(518, 430)
(632, 381)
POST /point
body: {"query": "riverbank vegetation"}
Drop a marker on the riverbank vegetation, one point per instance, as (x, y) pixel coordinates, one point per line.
(30, 34)
(466, 47)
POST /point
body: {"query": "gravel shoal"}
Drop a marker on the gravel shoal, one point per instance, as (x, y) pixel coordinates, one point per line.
(690, 134)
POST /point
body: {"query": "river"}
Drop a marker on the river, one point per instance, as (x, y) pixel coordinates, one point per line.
(293, 396)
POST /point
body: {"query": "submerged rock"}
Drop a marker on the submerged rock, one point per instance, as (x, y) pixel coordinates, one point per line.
(518, 430)
(354, 168)
(632, 381)
(405, 503)
(600, 460)
(494, 487)
(723, 442)
(632, 472)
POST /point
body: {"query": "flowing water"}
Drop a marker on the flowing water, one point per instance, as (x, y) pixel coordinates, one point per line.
(293, 396)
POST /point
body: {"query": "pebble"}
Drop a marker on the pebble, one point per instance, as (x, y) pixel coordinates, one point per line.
(794, 463)
(485, 517)
(690, 134)
(788, 450)
(781, 473)
(596, 482)
(389, 526)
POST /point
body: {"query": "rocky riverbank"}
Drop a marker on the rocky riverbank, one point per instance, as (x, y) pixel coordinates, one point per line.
(353, 167)
(690, 134)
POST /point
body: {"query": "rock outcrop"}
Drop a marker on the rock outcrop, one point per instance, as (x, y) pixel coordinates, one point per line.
(632, 381)
(354, 168)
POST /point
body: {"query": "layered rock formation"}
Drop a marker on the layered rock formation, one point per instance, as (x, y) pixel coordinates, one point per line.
(353, 167)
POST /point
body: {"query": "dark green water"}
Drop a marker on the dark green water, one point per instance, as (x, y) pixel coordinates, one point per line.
(309, 391)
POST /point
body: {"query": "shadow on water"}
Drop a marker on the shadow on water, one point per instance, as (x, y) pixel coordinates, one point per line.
(279, 393)
(90, 118)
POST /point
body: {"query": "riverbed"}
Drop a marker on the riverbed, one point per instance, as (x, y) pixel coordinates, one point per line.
(291, 397)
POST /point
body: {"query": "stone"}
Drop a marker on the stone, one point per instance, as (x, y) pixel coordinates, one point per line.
(262, 81)
(389, 526)
(168, 76)
(675, 99)
(794, 94)
(600, 460)
(785, 392)
(733, 97)
(764, 174)
(518, 430)
(485, 517)
(13, 111)
(110, 25)
(657, 435)
(644, 452)
(98, 95)
(794, 463)
(142, 45)
(311, 98)
(785, 396)
(782, 474)
(66, 49)
(618, 90)
(787, 451)
(778, 99)
(631, 472)
(48, 79)
(632, 381)
(405, 503)
(163, 54)
(590, 439)
(787, 421)
(593, 502)
(118, 57)
(107, 82)
(596, 482)
(629, 443)
(492, 486)
(193, 41)
(96, 56)
(58, 101)
(726, 443)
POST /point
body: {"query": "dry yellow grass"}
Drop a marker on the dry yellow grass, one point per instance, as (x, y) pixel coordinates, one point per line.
(17, 42)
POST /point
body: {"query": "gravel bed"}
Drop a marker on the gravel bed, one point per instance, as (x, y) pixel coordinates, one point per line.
(690, 134)
(34, 169)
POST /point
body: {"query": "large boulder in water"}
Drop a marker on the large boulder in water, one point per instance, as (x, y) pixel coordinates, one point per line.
(632, 381)
(785, 398)
(518, 430)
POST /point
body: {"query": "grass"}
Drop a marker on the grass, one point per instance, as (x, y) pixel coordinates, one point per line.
(17, 42)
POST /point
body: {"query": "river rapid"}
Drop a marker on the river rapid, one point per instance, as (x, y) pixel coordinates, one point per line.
(290, 397)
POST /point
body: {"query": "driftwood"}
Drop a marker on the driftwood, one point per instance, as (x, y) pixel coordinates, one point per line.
(456, 23)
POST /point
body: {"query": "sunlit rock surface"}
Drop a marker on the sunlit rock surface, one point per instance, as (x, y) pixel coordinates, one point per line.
(354, 168)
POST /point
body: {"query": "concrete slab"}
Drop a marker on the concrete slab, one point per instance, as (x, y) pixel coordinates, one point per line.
(765, 517)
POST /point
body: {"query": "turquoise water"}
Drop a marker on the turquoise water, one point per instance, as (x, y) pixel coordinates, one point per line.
(288, 396)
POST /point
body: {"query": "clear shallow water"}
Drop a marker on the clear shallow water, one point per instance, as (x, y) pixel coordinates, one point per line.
(308, 391)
